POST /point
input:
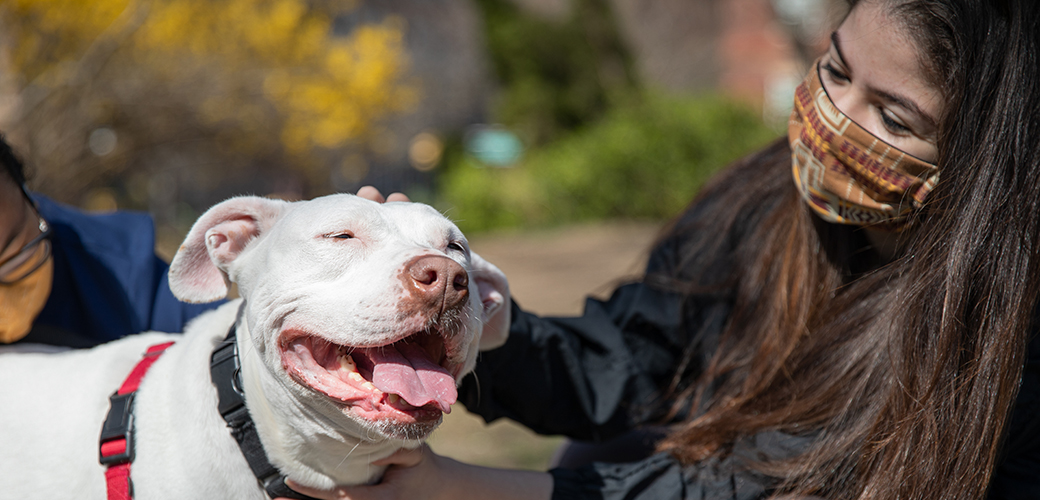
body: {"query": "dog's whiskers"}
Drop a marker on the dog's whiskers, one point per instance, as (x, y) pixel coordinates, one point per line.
(349, 453)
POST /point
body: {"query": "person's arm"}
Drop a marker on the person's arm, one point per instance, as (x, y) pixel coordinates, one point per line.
(421, 474)
(589, 377)
(597, 375)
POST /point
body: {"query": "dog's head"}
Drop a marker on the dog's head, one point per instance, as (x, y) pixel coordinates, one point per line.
(378, 309)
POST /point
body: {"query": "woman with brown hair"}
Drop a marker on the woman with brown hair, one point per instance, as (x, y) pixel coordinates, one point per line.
(846, 314)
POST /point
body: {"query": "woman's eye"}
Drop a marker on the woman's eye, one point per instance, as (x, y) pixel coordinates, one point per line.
(835, 73)
(892, 124)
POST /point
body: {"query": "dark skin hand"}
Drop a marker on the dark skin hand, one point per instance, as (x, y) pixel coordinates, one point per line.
(422, 474)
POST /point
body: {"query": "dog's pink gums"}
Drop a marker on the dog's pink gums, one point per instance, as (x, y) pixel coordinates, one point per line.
(405, 369)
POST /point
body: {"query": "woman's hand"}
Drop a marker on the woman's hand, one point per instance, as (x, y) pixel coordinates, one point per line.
(371, 193)
(422, 474)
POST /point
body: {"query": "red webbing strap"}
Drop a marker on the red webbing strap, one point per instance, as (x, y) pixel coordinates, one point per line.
(118, 479)
(117, 475)
(134, 379)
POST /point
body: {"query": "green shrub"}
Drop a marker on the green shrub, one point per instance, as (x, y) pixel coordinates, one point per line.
(555, 76)
(644, 159)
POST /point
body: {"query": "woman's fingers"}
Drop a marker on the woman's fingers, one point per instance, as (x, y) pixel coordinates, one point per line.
(371, 193)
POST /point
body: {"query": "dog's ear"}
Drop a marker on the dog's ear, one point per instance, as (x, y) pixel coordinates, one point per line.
(494, 295)
(198, 272)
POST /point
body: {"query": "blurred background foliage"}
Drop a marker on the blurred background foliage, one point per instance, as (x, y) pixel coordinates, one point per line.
(112, 92)
(642, 160)
(171, 105)
(555, 76)
(601, 144)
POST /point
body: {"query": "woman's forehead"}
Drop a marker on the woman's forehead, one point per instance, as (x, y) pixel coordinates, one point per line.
(880, 52)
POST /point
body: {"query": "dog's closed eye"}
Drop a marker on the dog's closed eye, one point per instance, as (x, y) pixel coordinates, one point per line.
(345, 235)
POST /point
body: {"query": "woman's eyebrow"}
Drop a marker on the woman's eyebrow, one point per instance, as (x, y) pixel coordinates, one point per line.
(905, 103)
(899, 100)
(837, 47)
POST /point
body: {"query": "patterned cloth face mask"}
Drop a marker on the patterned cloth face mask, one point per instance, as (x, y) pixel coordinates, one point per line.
(846, 174)
(20, 302)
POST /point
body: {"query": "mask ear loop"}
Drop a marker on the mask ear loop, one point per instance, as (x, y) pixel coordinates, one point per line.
(45, 234)
(25, 193)
(45, 227)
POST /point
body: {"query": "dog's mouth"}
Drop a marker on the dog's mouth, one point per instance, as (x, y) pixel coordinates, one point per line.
(408, 380)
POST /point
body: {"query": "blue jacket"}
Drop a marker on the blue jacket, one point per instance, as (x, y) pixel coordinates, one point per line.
(108, 281)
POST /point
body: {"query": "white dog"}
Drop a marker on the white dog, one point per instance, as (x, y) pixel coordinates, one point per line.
(357, 319)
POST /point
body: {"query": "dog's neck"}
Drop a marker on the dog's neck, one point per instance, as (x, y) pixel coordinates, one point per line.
(315, 446)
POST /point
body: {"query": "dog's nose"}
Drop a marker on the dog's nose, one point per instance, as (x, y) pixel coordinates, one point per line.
(435, 276)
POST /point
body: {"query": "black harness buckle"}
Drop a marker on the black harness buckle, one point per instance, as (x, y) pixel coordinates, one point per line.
(119, 424)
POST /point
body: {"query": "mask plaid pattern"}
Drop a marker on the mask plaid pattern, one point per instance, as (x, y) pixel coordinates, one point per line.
(846, 174)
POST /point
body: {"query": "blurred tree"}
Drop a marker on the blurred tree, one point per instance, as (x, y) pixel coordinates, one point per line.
(146, 95)
(556, 75)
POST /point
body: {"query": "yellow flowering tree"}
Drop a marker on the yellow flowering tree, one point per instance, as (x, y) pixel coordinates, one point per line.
(108, 88)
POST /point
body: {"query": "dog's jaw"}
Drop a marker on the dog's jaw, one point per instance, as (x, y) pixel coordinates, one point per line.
(329, 441)
(366, 382)
(315, 445)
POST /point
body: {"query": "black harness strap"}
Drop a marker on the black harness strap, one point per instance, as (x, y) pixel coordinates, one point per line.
(227, 377)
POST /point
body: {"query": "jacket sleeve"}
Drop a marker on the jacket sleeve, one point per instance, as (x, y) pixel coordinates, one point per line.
(661, 476)
(581, 376)
(595, 376)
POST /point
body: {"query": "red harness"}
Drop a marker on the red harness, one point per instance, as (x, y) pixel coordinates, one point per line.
(117, 438)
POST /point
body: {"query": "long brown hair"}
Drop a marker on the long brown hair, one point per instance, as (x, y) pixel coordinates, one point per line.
(902, 373)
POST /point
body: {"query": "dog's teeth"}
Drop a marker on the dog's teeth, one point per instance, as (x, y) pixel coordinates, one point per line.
(369, 386)
(394, 398)
(355, 376)
(347, 363)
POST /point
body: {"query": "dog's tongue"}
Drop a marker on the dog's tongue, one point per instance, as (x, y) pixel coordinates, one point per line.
(406, 370)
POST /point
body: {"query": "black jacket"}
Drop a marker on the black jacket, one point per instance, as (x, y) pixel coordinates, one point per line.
(596, 376)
